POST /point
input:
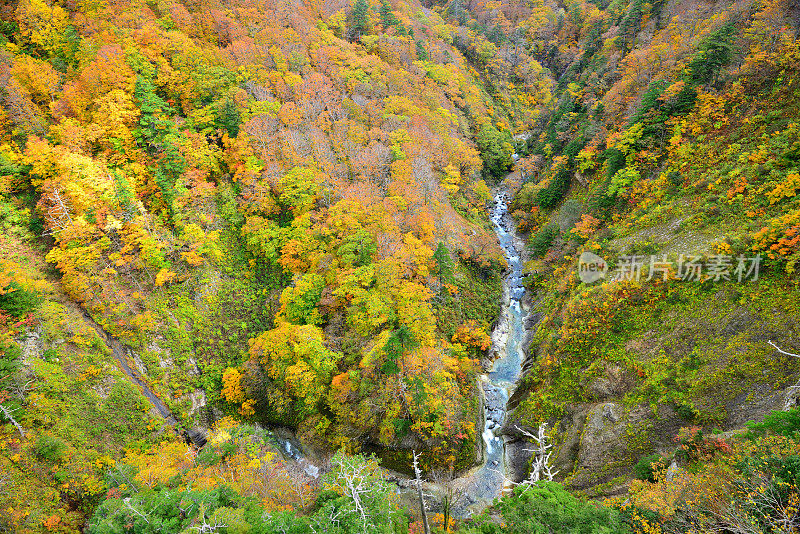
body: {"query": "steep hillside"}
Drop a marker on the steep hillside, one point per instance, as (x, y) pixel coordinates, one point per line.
(277, 208)
(209, 177)
(679, 168)
(220, 218)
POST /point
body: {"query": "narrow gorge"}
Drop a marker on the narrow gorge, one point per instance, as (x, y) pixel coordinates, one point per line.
(503, 365)
(260, 260)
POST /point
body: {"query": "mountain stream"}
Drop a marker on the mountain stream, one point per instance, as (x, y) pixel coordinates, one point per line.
(487, 482)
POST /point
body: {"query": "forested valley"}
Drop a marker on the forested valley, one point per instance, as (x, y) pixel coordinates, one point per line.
(281, 266)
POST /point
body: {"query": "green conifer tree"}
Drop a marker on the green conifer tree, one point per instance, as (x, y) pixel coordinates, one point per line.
(359, 20)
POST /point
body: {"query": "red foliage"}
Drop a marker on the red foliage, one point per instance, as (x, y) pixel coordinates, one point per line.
(694, 446)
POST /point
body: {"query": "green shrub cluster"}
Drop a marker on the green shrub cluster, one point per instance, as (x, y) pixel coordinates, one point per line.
(543, 239)
(547, 508)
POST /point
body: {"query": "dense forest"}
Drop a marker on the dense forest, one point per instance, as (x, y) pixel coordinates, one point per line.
(233, 228)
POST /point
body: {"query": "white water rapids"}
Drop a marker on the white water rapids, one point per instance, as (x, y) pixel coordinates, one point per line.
(485, 483)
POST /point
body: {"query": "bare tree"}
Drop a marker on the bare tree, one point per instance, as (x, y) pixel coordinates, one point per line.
(737, 517)
(424, 175)
(261, 129)
(58, 213)
(260, 92)
(206, 527)
(541, 455)
(356, 480)
(418, 480)
(731, 508)
(19, 389)
(9, 414)
(776, 347)
(130, 507)
(300, 483)
(791, 390)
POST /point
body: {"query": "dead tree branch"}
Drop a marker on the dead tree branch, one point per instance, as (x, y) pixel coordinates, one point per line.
(9, 414)
(541, 460)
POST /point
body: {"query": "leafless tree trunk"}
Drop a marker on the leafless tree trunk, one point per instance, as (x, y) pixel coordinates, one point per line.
(9, 414)
(130, 507)
(792, 390)
(59, 213)
(418, 480)
(541, 455)
(776, 347)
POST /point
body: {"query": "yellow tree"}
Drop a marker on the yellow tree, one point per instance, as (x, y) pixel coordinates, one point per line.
(43, 26)
(295, 357)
